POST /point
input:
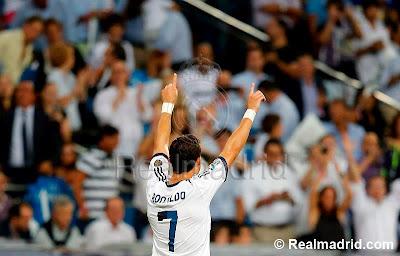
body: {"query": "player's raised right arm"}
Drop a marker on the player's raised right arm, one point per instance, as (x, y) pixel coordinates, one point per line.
(169, 96)
(239, 137)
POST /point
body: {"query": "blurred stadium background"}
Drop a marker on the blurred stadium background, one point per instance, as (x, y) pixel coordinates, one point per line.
(79, 94)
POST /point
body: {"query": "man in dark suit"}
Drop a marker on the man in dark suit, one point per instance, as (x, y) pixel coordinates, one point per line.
(28, 137)
(310, 94)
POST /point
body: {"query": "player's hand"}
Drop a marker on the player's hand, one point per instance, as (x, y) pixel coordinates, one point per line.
(255, 98)
(170, 92)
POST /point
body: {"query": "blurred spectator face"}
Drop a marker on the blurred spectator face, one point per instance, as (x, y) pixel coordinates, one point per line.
(3, 182)
(328, 145)
(61, 55)
(376, 188)
(25, 94)
(115, 33)
(115, 211)
(42, 4)
(255, 60)
(21, 223)
(49, 95)
(306, 64)
(372, 12)
(157, 62)
(368, 103)
(109, 143)
(62, 216)
(274, 29)
(205, 50)
(68, 155)
(327, 200)
(6, 87)
(277, 130)
(120, 74)
(274, 155)
(338, 112)
(335, 12)
(54, 33)
(319, 155)
(32, 31)
(46, 168)
(370, 143)
(272, 124)
(225, 79)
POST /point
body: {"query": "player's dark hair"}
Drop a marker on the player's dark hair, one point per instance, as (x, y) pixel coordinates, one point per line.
(184, 152)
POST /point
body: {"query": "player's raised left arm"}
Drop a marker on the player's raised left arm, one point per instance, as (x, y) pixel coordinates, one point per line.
(169, 96)
(239, 137)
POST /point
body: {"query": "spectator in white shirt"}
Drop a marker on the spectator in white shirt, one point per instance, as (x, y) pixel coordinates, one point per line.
(70, 88)
(167, 29)
(58, 232)
(114, 26)
(110, 230)
(254, 71)
(375, 210)
(204, 50)
(334, 34)
(374, 49)
(123, 107)
(271, 194)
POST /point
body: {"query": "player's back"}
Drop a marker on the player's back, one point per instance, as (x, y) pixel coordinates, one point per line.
(179, 214)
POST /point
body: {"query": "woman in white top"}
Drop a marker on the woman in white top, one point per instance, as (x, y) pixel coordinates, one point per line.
(70, 88)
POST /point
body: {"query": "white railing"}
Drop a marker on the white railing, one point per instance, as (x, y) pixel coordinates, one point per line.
(260, 35)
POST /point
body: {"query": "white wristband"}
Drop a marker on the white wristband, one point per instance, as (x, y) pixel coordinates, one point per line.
(250, 114)
(167, 108)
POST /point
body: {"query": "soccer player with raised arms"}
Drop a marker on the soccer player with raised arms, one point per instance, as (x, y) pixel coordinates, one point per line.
(178, 200)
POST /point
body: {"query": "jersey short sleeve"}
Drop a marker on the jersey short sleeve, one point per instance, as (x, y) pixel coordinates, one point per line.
(159, 168)
(209, 179)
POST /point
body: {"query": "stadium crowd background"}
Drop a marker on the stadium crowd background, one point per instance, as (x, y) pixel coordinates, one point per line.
(79, 94)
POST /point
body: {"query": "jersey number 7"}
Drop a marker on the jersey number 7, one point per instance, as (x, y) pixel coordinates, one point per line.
(173, 216)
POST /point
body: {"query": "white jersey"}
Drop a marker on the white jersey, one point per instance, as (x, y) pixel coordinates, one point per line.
(179, 214)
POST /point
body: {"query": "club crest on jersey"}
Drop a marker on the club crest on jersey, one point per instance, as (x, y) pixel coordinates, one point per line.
(157, 163)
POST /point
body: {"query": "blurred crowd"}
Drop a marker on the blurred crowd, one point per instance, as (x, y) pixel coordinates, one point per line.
(80, 89)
